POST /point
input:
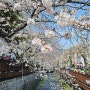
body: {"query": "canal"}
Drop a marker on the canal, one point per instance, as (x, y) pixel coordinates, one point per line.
(48, 82)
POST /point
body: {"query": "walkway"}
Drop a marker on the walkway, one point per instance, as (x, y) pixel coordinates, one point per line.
(50, 83)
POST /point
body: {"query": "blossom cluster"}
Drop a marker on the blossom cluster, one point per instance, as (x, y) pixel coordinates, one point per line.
(30, 21)
(7, 1)
(45, 48)
(48, 5)
(16, 7)
(83, 23)
(67, 18)
(64, 18)
(36, 41)
(36, 4)
(4, 48)
(49, 33)
(88, 82)
(2, 6)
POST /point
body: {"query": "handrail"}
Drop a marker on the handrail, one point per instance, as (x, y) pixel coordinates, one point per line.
(81, 80)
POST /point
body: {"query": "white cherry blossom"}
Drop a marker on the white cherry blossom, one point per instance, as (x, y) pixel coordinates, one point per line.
(8, 1)
(50, 10)
(88, 82)
(48, 5)
(17, 6)
(36, 5)
(36, 41)
(30, 21)
(18, 35)
(47, 48)
(65, 18)
(2, 6)
(57, 17)
(82, 24)
(49, 33)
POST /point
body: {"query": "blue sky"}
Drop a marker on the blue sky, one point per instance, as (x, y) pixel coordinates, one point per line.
(51, 25)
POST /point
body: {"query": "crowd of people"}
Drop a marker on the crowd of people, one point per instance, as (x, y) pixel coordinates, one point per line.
(80, 69)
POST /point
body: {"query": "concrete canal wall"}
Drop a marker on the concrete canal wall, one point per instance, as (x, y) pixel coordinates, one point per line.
(20, 83)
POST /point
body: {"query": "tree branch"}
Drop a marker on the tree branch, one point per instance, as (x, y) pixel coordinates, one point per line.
(71, 1)
(78, 2)
(45, 21)
(20, 27)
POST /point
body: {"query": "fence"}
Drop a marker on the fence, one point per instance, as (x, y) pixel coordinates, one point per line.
(8, 71)
(81, 80)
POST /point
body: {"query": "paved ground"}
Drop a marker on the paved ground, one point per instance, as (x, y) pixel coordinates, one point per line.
(50, 83)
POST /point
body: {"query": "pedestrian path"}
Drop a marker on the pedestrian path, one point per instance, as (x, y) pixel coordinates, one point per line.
(46, 85)
(50, 83)
(43, 85)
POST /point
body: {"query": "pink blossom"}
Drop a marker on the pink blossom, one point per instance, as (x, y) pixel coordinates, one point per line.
(47, 48)
(43, 43)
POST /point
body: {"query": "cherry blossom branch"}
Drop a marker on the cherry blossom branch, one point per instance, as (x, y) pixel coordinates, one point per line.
(78, 2)
(45, 21)
(70, 1)
(20, 27)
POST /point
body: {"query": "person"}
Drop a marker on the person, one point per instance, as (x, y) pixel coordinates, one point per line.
(72, 67)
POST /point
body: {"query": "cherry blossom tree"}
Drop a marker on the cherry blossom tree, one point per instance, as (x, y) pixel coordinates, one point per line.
(70, 16)
(14, 20)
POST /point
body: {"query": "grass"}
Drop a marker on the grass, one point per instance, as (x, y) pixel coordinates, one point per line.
(65, 85)
(41, 82)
